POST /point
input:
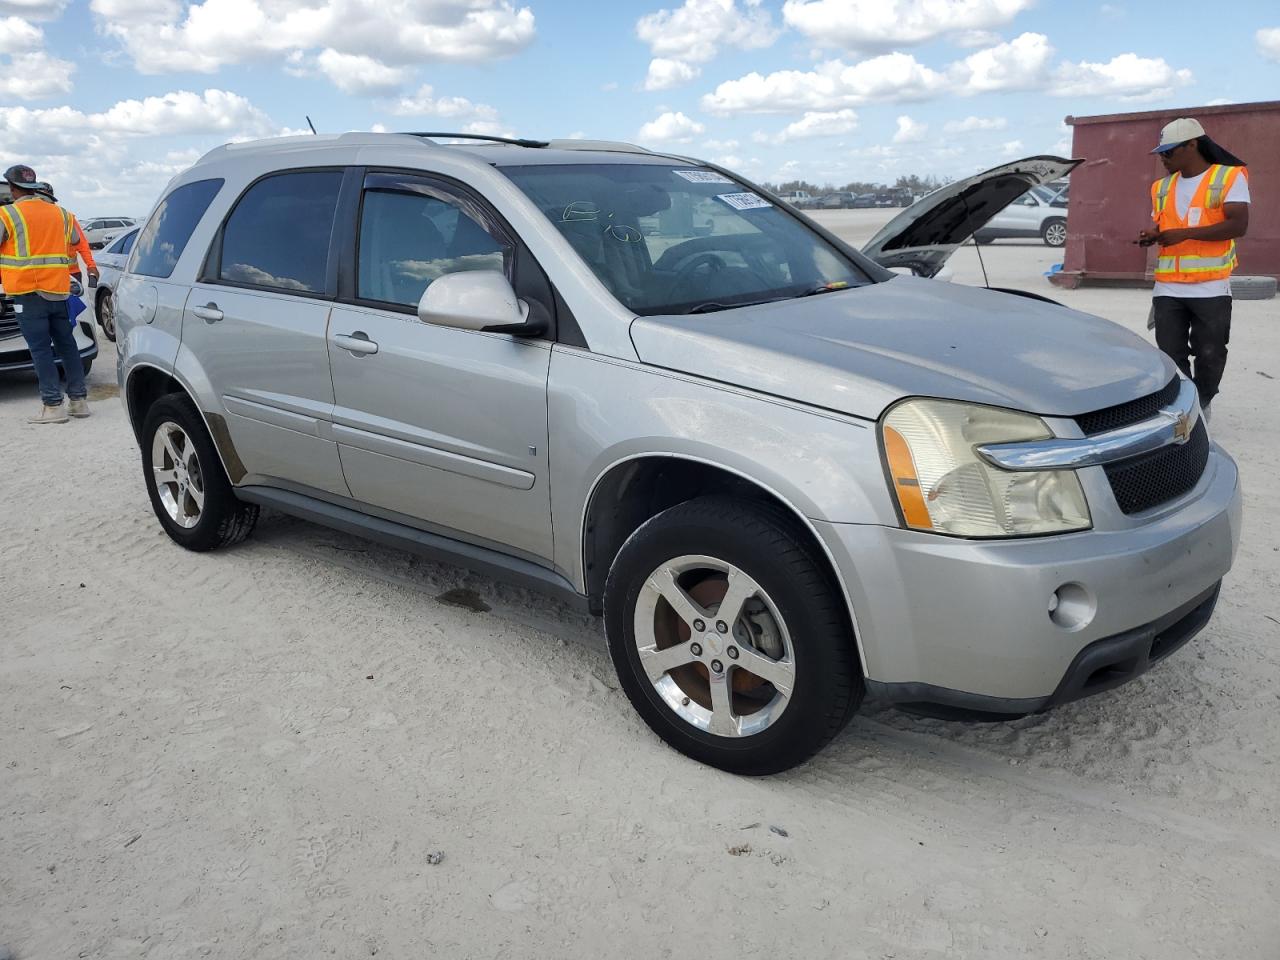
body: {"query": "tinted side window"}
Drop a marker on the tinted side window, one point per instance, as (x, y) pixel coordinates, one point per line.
(278, 234)
(126, 245)
(166, 234)
(408, 240)
(122, 245)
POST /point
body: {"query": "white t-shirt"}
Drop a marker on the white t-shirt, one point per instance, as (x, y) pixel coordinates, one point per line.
(1186, 189)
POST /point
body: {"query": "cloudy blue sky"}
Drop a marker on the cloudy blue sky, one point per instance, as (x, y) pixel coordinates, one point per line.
(109, 98)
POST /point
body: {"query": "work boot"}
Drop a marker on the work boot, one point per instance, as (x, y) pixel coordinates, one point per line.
(49, 414)
(79, 408)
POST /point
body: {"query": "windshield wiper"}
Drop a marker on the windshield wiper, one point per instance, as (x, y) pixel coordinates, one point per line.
(828, 288)
(713, 305)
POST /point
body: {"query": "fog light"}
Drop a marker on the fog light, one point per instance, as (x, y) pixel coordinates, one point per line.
(1072, 607)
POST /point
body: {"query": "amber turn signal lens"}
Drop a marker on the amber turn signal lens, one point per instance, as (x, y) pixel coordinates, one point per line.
(902, 470)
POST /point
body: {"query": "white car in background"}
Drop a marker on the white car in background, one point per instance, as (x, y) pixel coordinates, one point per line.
(102, 230)
(1040, 212)
(111, 263)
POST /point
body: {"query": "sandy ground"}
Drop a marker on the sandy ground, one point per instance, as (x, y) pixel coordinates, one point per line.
(263, 753)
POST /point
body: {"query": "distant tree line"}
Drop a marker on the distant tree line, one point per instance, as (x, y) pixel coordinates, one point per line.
(917, 185)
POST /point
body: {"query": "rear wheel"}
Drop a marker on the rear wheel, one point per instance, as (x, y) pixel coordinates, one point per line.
(107, 315)
(729, 638)
(1054, 232)
(190, 493)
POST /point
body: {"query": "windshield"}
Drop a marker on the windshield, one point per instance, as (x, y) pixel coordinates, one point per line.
(673, 239)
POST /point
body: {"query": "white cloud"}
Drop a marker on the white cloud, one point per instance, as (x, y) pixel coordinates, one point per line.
(1011, 147)
(720, 144)
(358, 74)
(910, 131)
(1219, 102)
(971, 124)
(1269, 42)
(19, 36)
(883, 24)
(671, 128)
(30, 76)
(694, 33)
(1126, 77)
(664, 74)
(1021, 64)
(165, 36)
(425, 103)
(815, 123)
(976, 38)
(33, 9)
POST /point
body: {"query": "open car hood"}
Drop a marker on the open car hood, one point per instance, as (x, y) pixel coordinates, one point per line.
(923, 236)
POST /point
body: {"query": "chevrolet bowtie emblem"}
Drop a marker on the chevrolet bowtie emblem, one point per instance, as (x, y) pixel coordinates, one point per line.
(1182, 428)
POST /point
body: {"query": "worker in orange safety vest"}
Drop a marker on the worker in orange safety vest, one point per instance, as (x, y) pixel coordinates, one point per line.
(36, 237)
(1200, 209)
(81, 246)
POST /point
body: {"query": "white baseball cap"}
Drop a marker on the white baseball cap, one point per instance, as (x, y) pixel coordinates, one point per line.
(1178, 132)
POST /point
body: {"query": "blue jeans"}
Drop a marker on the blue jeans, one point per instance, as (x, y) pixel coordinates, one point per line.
(46, 326)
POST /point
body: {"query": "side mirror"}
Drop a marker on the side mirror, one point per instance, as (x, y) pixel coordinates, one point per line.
(477, 300)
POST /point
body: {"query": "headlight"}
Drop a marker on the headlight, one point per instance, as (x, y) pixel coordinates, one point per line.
(943, 485)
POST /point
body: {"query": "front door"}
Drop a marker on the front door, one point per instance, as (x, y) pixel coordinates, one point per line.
(445, 426)
(258, 322)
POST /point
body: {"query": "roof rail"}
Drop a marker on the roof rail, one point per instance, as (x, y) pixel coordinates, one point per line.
(616, 146)
(517, 141)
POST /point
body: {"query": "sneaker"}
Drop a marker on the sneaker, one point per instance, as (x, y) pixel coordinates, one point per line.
(79, 408)
(49, 414)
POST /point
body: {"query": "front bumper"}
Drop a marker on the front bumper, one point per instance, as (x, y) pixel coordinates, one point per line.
(14, 354)
(967, 624)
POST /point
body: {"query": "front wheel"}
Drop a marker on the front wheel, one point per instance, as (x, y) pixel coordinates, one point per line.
(729, 637)
(1054, 233)
(190, 493)
(107, 315)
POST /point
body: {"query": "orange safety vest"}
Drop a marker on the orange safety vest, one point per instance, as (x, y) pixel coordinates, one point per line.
(1195, 261)
(35, 254)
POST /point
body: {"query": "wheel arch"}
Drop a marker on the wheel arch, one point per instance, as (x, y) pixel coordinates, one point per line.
(636, 488)
(147, 383)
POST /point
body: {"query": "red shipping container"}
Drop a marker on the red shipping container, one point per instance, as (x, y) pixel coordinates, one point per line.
(1111, 191)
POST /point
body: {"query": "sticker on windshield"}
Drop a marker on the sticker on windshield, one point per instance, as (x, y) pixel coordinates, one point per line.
(702, 176)
(744, 201)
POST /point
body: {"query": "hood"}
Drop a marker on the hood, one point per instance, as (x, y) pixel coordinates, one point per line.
(925, 234)
(857, 351)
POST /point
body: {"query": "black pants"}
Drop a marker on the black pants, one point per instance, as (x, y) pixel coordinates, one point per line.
(1199, 328)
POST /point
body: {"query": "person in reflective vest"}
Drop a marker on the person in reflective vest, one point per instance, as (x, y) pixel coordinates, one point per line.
(1200, 208)
(80, 247)
(36, 237)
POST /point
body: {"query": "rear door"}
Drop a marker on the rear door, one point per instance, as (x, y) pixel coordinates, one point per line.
(257, 319)
(445, 426)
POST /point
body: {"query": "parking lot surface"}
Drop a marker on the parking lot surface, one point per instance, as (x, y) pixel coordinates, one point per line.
(312, 745)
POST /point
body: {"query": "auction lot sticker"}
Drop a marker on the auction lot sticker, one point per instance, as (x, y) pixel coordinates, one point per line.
(744, 201)
(702, 176)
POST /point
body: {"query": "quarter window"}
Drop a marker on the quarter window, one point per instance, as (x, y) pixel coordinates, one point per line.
(407, 240)
(166, 234)
(278, 234)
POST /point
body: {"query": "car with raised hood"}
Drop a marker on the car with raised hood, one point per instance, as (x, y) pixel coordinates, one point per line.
(785, 475)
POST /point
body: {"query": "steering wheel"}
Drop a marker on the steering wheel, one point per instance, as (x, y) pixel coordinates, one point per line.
(686, 272)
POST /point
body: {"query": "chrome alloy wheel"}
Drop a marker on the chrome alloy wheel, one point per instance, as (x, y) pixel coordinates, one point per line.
(714, 646)
(1055, 235)
(179, 478)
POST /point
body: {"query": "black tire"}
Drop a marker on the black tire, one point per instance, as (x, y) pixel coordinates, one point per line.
(87, 364)
(764, 544)
(105, 310)
(1054, 232)
(222, 519)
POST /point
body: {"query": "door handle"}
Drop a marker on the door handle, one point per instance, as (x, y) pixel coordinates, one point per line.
(357, 342)
(209, 313)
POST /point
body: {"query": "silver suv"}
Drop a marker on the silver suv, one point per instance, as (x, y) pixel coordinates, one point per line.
(786, 476)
